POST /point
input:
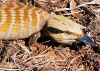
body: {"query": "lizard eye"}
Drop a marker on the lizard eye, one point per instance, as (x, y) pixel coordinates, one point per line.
(54, 30)
(57, 31)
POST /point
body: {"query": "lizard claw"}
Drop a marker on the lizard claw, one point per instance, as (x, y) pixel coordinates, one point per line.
(33, 38)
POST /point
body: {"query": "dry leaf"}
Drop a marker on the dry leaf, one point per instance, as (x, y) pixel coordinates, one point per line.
(75, 12)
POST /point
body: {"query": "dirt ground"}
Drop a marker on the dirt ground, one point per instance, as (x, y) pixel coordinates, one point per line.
(48, 55)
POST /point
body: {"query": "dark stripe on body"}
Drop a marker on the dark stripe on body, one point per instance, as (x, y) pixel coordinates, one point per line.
(57, 31)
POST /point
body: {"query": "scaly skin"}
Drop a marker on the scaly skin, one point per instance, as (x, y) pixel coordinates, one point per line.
(19, 21)
(64, 30)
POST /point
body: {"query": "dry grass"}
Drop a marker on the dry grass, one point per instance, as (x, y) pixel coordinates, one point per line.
(16, 56)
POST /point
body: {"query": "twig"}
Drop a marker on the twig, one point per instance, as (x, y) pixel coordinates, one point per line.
(88, 3)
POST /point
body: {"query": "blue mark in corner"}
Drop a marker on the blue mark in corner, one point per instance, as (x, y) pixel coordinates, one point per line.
(86, 39)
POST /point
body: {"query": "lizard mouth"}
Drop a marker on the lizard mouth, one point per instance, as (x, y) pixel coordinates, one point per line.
(68, 37)
(58, 31)
(64, 37)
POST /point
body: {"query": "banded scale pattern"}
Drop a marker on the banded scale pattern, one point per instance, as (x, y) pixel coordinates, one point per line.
(19, 21)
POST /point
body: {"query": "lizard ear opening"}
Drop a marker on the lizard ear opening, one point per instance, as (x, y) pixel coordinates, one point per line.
(86, 39)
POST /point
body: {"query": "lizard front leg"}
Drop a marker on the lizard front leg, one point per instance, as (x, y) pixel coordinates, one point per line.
(33, 38)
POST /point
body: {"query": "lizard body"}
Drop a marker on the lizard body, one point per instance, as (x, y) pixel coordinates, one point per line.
(19, 21)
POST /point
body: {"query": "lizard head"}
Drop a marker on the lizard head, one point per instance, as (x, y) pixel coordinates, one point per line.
(64, 30)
